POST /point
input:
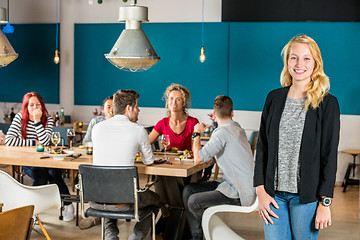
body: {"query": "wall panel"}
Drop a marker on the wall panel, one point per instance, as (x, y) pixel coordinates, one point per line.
(34, 69)
(178, 45)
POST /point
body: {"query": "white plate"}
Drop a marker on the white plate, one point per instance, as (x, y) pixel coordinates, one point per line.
(59, 156)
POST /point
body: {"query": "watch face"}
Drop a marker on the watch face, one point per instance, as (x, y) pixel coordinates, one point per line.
(326, 201)
(195, 134)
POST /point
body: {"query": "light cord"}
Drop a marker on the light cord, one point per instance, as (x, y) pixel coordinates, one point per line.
(202, 25)
(57, 26)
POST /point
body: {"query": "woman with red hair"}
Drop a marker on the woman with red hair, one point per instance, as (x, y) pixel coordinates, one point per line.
(34, 125)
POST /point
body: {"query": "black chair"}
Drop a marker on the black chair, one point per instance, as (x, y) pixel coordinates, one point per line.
(112, 185)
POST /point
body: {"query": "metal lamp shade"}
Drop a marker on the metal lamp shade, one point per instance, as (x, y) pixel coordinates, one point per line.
(133, 51)
(7, 52)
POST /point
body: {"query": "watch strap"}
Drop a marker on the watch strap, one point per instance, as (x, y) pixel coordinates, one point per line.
(195, 134)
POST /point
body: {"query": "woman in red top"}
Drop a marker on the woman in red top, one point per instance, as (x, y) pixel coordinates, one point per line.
(178, 124)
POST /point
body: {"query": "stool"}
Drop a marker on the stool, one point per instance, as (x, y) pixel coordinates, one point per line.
(352, 166)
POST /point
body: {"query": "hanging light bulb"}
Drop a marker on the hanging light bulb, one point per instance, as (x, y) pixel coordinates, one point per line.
(57, 53)
(202, 55)
(57, 57)
(90, 2)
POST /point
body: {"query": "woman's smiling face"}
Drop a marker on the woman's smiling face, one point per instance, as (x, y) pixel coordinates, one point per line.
(301, 62)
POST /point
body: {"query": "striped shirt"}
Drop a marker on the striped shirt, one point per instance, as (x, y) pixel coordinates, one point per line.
(34, 132)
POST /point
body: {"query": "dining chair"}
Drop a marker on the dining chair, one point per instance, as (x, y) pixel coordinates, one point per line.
(215, 228)
(252, 141)
(14, 194)
(112, 184)
(16, 223)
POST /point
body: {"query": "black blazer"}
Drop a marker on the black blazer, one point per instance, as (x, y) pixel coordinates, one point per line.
(318, 150)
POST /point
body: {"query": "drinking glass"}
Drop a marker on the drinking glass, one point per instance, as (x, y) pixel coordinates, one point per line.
(165, 142)
(70, 136)
(55, 138)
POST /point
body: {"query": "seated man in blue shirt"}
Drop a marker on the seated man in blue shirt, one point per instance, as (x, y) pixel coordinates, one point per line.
(107, 112)
(229, 145)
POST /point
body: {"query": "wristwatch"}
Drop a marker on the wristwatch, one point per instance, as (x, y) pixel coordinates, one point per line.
(325, 201)
(195, 134)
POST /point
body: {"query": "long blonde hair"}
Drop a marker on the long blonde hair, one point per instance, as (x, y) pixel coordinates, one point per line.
(319, 84)
(185, 96)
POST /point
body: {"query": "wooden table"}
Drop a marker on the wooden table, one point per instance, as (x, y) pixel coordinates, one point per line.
(173, 177)
(27, 156)
(347, 179)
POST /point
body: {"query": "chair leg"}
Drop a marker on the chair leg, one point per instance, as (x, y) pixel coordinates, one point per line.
(102, 229)
(153, 226)
(216, 173)
(43, 229)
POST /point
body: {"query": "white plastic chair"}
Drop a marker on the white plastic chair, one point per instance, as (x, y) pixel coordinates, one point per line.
(14, 194)
(214, 227)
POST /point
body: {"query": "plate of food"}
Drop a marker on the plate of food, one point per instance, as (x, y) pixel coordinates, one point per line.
(138, 158)
(186, 156)
(59, 154)
(170, 151)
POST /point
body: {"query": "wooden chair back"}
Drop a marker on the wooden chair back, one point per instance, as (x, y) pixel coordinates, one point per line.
(16, 223)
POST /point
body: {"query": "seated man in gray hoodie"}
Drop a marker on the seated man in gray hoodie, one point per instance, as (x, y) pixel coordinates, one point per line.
(229, 146)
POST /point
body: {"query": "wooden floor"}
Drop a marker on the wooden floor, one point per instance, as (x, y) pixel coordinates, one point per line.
(345, 217)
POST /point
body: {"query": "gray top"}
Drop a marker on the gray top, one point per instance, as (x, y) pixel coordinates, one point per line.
(287, 177)
(92, 123)
(231, 149)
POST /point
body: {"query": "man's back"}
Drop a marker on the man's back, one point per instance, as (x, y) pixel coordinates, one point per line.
(232, 151)
(117, 140)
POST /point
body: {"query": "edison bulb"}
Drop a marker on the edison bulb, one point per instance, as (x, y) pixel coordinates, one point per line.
(56, 58)
(202, 55)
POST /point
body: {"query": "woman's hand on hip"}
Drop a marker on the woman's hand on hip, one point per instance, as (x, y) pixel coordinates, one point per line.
(265, 200)
(323, 217)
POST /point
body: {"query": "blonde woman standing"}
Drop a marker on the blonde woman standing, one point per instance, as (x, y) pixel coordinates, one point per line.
(296, 156)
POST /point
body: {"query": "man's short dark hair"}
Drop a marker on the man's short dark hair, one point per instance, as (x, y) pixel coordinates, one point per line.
(108, 98)
(223, 106)
(122, 98)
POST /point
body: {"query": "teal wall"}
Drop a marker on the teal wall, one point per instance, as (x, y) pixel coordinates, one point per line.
(178, 45)
(242, 60)
(34, 69)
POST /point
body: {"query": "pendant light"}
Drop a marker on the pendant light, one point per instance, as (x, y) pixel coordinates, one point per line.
(7, 52)
(57, 53)
(133, 51)
(202, 51)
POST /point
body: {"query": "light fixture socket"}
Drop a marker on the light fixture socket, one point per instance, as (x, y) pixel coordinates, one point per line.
(3, 18)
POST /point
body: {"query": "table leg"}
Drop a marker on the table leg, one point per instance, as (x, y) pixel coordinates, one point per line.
(176, 227)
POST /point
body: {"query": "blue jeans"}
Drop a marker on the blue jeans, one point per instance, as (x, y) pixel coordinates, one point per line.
(199, 196)
(296, 220)
(43, 176)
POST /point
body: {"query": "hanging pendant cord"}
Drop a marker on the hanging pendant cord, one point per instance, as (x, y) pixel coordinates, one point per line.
(57, 26)
(8, 11)
(202, 25)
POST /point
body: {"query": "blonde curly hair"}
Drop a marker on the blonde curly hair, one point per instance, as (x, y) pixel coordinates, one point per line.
(319, 84)
(185, 96)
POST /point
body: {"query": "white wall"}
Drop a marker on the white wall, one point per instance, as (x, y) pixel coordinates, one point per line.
(79, 11)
